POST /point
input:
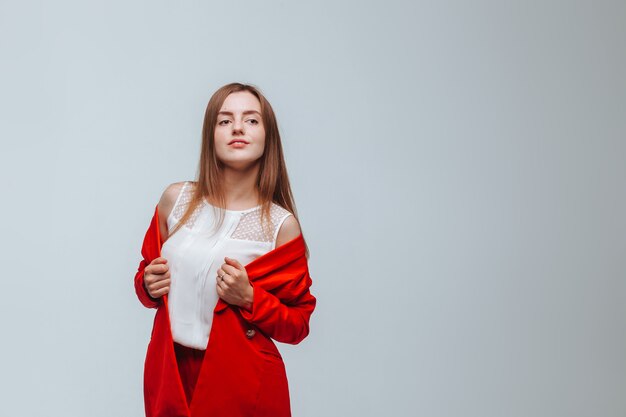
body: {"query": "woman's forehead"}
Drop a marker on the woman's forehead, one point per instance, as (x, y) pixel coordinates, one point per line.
(241, 101)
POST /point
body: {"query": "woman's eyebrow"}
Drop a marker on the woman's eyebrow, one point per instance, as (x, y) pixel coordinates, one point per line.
(245, 112)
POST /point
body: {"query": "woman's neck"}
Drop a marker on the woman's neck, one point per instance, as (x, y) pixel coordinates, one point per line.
(240, 188)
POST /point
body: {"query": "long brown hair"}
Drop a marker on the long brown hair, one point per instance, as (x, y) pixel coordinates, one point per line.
(272, 181)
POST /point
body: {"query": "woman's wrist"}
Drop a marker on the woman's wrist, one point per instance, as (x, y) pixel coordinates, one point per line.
(248, 299)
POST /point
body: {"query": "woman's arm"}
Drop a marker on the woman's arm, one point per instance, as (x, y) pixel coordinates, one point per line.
(166, 204)
(164, 207)
(290, 229)
(285, 323)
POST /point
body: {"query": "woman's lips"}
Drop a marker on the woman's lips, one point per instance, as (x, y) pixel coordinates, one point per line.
(238, 144)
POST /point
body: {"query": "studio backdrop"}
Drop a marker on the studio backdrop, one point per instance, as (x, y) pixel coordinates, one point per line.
(458, 170)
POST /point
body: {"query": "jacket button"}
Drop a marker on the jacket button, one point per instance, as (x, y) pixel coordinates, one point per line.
(250, 333)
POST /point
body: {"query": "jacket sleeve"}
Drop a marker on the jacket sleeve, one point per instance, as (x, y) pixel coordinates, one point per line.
(150, 249)
(140, 288)
(285, 322)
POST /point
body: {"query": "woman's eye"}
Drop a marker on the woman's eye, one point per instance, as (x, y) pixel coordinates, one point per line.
(223, 122)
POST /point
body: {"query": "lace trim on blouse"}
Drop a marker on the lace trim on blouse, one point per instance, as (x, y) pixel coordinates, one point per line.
(249, 226)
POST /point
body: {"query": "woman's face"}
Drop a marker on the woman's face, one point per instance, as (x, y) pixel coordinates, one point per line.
(239, 119)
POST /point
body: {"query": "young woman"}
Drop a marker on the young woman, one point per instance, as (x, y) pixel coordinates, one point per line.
(230, 237)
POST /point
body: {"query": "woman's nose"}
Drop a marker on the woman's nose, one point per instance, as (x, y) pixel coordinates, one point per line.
(237, 126)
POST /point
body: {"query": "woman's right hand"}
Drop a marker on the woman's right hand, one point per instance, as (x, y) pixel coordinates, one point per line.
(156, 278)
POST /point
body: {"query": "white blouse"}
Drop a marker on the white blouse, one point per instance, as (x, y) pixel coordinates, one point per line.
(195, 252)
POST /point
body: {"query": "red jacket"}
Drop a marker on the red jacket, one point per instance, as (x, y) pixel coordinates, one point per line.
(242, 374)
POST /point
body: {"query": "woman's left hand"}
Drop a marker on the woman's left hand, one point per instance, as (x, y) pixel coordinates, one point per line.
(233, 285)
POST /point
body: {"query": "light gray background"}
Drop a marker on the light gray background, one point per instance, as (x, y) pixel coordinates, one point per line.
(458, 169)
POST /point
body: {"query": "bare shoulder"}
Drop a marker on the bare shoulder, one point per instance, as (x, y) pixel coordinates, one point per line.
(168, 198)
(166, 204)
(290, 229)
